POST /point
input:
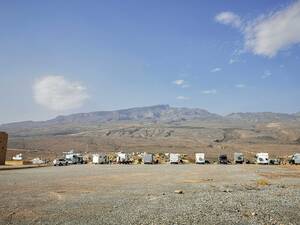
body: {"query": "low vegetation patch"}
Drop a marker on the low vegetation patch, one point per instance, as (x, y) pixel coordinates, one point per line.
(262, 182)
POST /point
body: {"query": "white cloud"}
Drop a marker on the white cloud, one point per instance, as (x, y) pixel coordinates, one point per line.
(266, 74)
(228, 18)
(274, 32)
(185, 85)
(240, 85)
(178, 82)
(181, 83)
(266, 35)
(231, 61)
(58, 94)
(214, 70)
(210, 92)
(182, 97)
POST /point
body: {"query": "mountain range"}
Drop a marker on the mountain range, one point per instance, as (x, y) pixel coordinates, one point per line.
(159, 128)
(156, 113)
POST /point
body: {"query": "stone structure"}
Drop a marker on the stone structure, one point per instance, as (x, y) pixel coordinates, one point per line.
(3, 147)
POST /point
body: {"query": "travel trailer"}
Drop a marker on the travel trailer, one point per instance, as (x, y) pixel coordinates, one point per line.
(262, 158)
(123, 157)
(223, 159)
(296, 158)
(175, 158)
(100, 158)
(148, 158)
(199, 158)
(238, 158)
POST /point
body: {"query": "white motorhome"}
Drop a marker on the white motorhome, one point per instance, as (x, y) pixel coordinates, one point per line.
(296, 158)
(123, 157)
(238, 158)
(175, 158)
(73, 158)
(148, 158)
(100, 158)
(262, 158)
(200, 158)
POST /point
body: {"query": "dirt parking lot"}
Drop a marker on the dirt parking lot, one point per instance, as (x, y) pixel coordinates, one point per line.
(145, 194)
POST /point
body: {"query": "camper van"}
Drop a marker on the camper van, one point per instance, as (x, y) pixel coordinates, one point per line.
(100, 158)
(238, 158)
(262, 158)
(123, 158)
(296, 159)
(148, 158)
(199, 158)
(175, 158)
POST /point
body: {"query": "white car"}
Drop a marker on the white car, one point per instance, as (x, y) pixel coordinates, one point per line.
(60, 162)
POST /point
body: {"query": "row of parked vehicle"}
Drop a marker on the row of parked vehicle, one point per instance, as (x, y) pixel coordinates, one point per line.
(174, 158)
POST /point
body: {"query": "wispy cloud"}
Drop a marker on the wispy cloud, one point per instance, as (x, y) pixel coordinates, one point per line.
(266, 74)
(185, 85)
(232, 61)
(180, 97)
(58, 94)
(240, 85)
(215, 70)
(181, 83)
(228, 18)
(178, 82)
(210, 92)
(267, 34)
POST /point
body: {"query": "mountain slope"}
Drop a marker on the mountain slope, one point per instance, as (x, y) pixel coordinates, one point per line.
(262, 117)
(157, 113)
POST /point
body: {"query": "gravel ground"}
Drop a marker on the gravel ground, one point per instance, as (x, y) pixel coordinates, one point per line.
(145, 194)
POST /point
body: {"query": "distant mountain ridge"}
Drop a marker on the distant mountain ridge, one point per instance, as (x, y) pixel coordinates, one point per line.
(156, 113)
(263, 116)
(148, 113)
(152, 128)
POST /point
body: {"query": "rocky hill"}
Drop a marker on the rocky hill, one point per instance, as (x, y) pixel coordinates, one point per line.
(159, 128)
(157, 113)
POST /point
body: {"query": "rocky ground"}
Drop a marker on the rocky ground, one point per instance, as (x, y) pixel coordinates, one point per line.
(148, 194)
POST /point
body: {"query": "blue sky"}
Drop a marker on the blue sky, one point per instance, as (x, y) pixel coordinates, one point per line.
(61, 57)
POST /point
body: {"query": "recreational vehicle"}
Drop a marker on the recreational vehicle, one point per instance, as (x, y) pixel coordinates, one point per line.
(296, 159)
(100, 158)
(175, 158)
(123, 157)
(71, 158)
(262, 158)
(148, 158)
(238, 158)
(199, 158)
